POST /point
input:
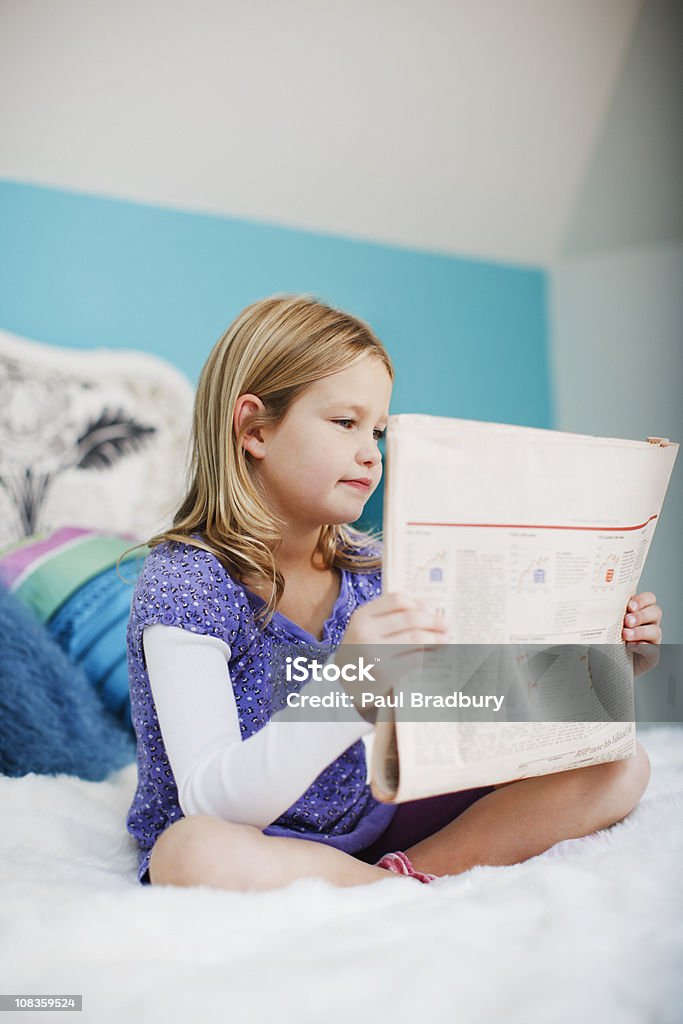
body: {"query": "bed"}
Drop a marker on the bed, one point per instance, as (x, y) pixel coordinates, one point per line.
(592, 929)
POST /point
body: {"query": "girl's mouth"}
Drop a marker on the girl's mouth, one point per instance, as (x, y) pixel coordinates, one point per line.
(357, 484)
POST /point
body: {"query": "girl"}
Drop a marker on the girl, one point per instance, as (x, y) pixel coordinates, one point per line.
(289, 412)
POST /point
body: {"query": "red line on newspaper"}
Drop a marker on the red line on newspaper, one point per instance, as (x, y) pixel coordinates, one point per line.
(536, 526)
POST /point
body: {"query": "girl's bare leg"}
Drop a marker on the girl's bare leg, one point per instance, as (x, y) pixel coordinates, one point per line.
(204, 850)
(517, 821)
(522, 819)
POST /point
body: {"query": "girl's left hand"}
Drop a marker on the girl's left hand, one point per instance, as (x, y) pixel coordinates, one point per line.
(642, 631)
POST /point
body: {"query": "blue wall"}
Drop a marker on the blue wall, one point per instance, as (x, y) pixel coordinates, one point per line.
(468, 338)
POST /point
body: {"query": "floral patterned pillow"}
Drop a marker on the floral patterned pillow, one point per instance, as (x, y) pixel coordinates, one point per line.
(95, 438)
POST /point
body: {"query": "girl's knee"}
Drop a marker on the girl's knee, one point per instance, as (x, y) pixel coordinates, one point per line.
(636, 772)
(626, 781)
(187, 852)
(641, 770)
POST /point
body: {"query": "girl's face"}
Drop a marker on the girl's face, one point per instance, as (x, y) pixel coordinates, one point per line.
(329, 436)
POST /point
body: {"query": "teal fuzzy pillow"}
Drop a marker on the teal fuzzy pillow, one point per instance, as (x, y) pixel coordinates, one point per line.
(51, 718)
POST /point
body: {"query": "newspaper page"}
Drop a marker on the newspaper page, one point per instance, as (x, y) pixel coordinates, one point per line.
(522, 536)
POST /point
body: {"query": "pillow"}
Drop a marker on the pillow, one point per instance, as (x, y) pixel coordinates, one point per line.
(51, 719)
(96, 438)
(70, 582)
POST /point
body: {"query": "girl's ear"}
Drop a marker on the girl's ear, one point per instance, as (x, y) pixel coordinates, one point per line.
(245, 407)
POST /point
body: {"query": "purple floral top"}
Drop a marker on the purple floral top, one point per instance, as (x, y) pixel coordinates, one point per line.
(181, 585)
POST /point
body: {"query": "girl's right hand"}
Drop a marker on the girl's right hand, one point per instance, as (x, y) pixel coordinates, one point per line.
(405, 626)
(396, 618)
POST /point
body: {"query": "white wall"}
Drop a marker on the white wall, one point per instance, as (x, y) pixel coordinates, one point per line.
(616, 286)
(617, 356)
(450, 125)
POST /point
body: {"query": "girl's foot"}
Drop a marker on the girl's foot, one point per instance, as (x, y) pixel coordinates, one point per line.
(400, 864)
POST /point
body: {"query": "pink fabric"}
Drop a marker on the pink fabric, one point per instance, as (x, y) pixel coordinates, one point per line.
(399, 862)
(15, 562)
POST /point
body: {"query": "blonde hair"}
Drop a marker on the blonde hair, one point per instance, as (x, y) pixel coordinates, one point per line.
(274, 349)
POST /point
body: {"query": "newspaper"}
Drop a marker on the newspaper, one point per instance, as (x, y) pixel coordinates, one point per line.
(521, 536)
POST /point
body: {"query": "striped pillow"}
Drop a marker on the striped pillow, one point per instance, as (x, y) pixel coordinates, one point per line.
(69, 580)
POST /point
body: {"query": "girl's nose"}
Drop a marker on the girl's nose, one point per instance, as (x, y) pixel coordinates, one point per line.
(371, 455)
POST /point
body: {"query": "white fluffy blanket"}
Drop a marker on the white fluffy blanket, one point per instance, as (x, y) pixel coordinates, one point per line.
(590, 930)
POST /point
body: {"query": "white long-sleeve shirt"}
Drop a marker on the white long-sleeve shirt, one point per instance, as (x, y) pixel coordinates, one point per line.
(251, 781)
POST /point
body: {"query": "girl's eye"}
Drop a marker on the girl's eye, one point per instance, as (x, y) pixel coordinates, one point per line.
(380, 433)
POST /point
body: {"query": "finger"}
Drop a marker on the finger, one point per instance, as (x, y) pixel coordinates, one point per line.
(415, 616)
(417, 637)
(649, 615)
(398, 600)
(407, 659)
(645, 657)
(401, 600)
(644, 634)
(639, 601)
